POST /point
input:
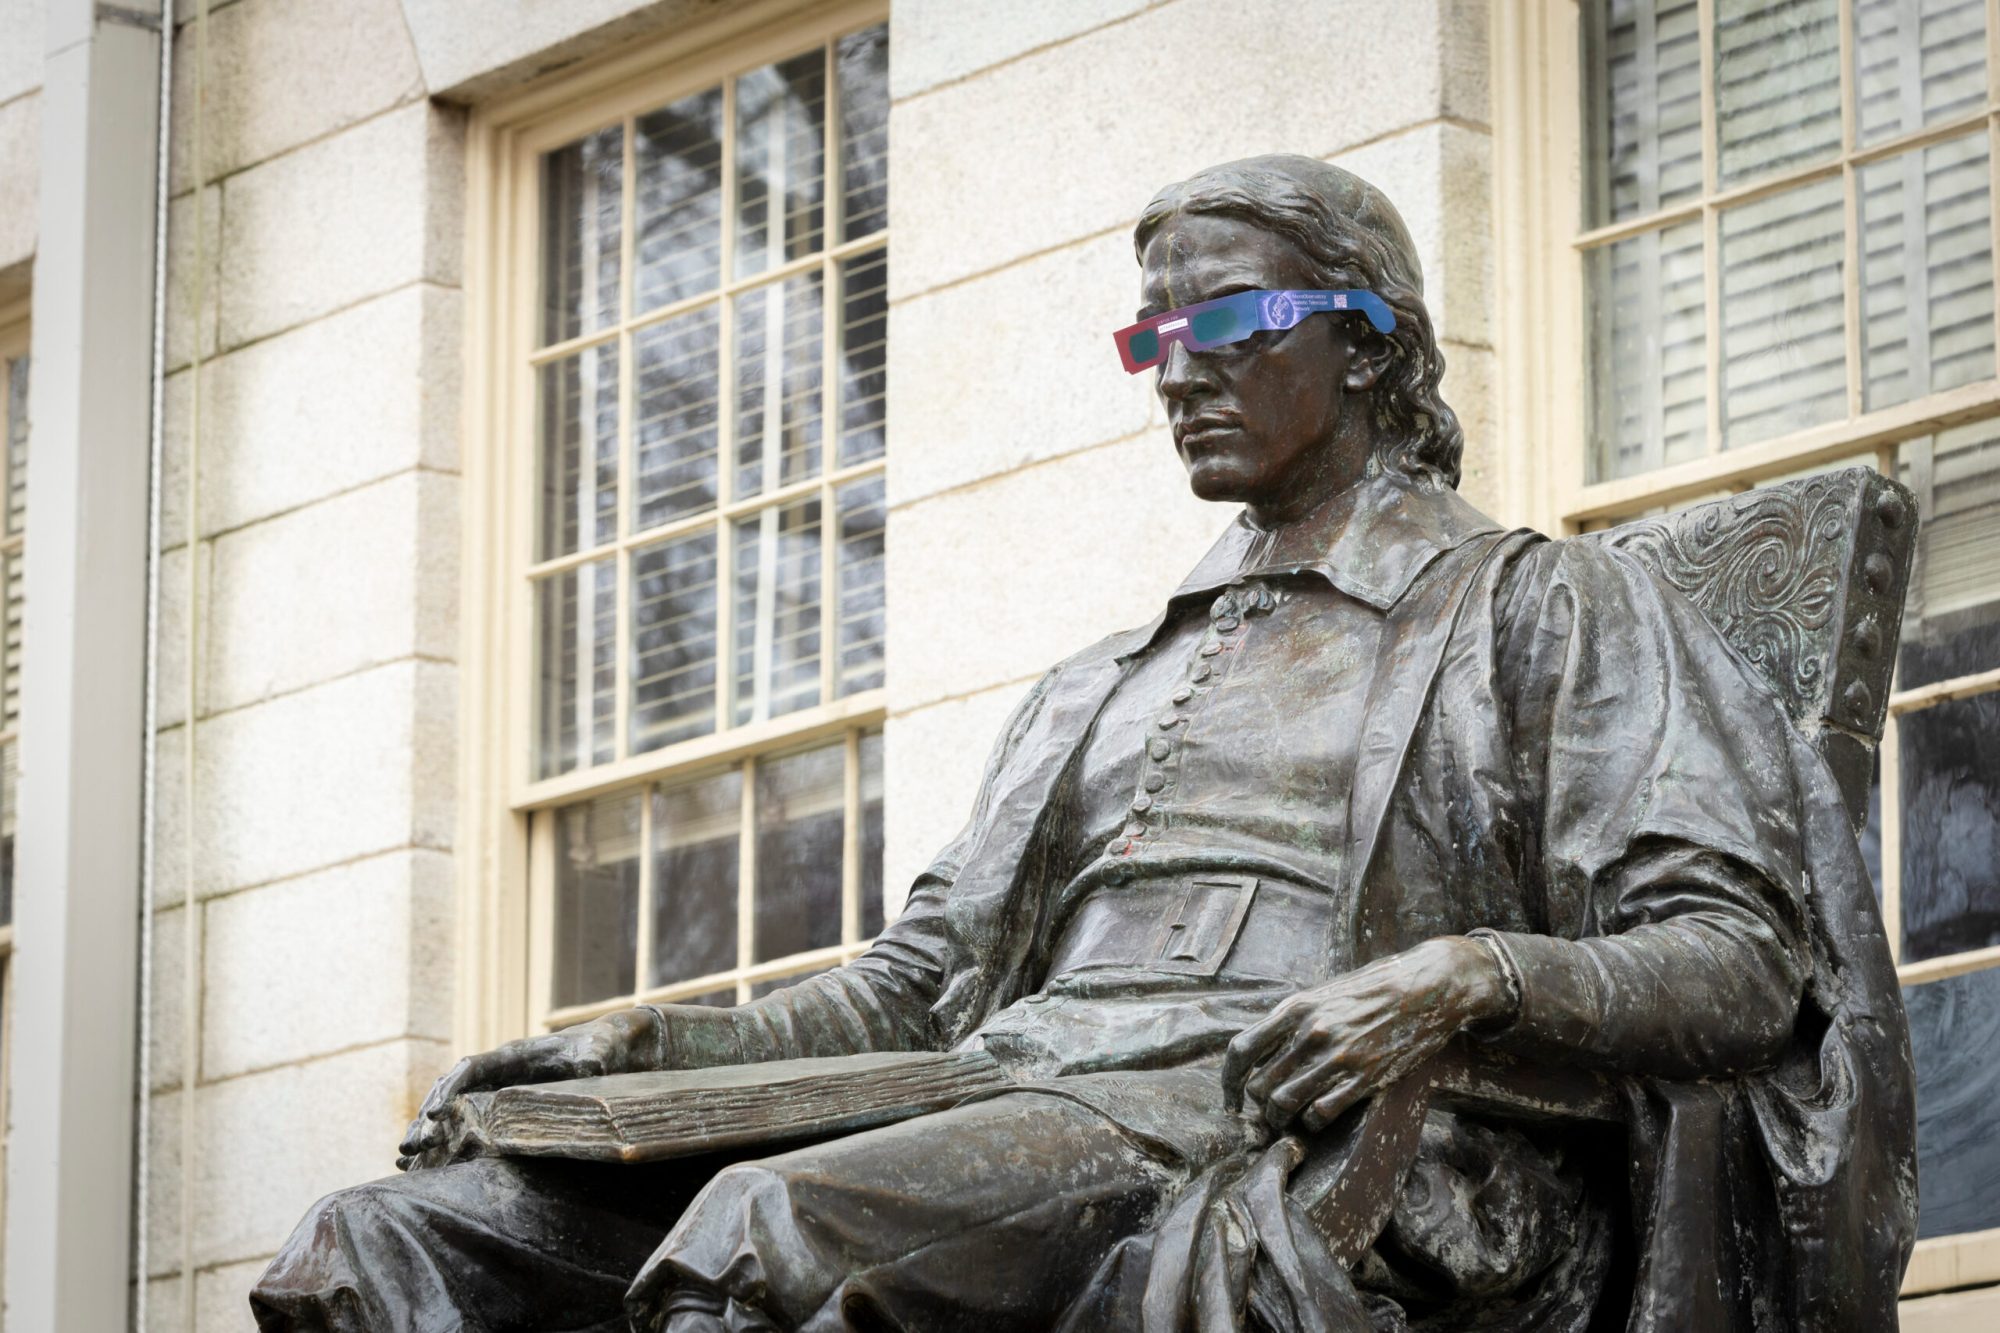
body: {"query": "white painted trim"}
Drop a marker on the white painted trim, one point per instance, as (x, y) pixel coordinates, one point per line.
(70, 1192)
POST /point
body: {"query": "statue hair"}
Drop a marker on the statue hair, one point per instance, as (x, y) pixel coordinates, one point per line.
(1354, 238)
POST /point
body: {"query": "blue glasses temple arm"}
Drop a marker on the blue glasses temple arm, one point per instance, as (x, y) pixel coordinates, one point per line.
(1368, 303)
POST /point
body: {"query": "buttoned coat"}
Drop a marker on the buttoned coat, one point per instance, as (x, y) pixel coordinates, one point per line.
(1557, 748)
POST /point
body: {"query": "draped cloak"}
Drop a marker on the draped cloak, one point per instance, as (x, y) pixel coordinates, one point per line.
(1544, 718)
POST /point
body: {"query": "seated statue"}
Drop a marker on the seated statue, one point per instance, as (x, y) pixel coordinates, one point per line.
(1380, 777)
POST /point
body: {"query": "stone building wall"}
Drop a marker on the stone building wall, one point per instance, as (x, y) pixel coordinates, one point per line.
(317, 241)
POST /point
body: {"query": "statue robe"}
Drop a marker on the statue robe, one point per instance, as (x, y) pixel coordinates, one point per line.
(1561, 752)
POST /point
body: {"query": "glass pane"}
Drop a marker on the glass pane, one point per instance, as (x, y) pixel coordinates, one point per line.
(674, 437)
(697, 840)
(779, 415)
(1951, 827)
(582, 208)
(800, 801)
(576, 619)
(715, 999)
(1649, 342)
(13, 580)
(862, 66)
(864, 356)
(1642, 67)
(9, 821)
(1927, 270)
(780, 162)
(864, 512)
(762, 988)
(1783, 312)
(778, 648)
(673, 641)
(871, 834)
(597, 899)
(678, 213)
(1954, 1030)
(1917, 62)
(1777, 85)
(578, 445)
(17, 445)
(1951, 622)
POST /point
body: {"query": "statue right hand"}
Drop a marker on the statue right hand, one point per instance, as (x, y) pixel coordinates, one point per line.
(617, 1043)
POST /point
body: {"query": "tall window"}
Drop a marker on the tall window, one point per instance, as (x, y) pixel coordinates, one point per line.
(703, 370)
(1786, 247)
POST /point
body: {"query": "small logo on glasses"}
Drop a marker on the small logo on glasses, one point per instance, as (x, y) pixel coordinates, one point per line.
(1280, 312)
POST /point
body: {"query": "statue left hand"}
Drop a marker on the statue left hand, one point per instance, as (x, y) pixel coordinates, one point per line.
(1325, 1049)
(616, 1043)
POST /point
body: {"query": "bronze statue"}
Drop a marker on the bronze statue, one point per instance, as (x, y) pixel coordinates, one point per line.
(1383, 787)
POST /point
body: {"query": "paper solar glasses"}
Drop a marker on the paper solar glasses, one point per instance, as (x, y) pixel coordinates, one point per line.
(1232, 318)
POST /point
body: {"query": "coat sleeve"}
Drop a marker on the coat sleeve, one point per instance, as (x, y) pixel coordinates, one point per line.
(1668, 859)
(879, 1002)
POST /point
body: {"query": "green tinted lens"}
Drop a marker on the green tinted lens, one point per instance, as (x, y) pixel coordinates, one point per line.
(1144, 345)
(1213, 326)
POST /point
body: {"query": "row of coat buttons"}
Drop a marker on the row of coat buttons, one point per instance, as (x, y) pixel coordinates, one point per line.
(1225, 619)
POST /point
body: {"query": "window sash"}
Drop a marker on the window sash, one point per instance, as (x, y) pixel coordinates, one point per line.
(529, 792)
(748, 971)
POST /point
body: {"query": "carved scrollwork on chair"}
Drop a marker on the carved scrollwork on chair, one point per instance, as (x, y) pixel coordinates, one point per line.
(1805, 581)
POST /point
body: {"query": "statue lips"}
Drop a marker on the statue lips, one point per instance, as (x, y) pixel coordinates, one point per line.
(1207, 425)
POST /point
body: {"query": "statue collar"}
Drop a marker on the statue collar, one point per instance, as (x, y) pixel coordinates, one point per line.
(1370, 542)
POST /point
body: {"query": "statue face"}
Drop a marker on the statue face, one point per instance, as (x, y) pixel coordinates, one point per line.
(1258, 422)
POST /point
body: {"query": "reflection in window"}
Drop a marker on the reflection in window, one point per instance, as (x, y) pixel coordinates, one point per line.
(1777, 85)
(597, 898)
(812, 821)
(707, 538)
(1954, 1031)
(697, 845)
(13, 604)
(705, 421)
(1783, 313)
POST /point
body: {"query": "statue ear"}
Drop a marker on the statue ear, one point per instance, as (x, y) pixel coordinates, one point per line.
(1368, 357)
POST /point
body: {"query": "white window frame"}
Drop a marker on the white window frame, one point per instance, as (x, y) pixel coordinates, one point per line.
(504, 902)
(1543, 422)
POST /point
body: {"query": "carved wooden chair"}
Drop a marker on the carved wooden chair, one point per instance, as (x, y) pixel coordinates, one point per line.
(1805, 580)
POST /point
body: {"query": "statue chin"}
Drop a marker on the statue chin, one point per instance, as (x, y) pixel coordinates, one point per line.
(1220, 480)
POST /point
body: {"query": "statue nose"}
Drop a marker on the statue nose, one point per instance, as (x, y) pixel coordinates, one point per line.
(1181, 373)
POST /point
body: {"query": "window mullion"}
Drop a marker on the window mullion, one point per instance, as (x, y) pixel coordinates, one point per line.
(1891, 799)
(628, 473)
(832, 297)
(850, 844)
(1711, 244)
(1993, 187)
(746, 880)
(1993, 140)
(727, 444)
(1850, 186)
(621, 602)
(642, 965)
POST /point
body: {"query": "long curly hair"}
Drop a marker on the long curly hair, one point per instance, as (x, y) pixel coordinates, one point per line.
(1353, 237)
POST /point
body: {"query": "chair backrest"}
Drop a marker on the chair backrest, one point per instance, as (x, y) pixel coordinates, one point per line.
(1805, 580)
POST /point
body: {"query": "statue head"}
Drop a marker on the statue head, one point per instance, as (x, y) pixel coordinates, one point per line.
(1287, 417)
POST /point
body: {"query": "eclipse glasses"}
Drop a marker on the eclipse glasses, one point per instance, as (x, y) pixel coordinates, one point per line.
(1232, 318)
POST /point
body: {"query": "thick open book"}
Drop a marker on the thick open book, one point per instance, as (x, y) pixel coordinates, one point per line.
(678, 1113)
